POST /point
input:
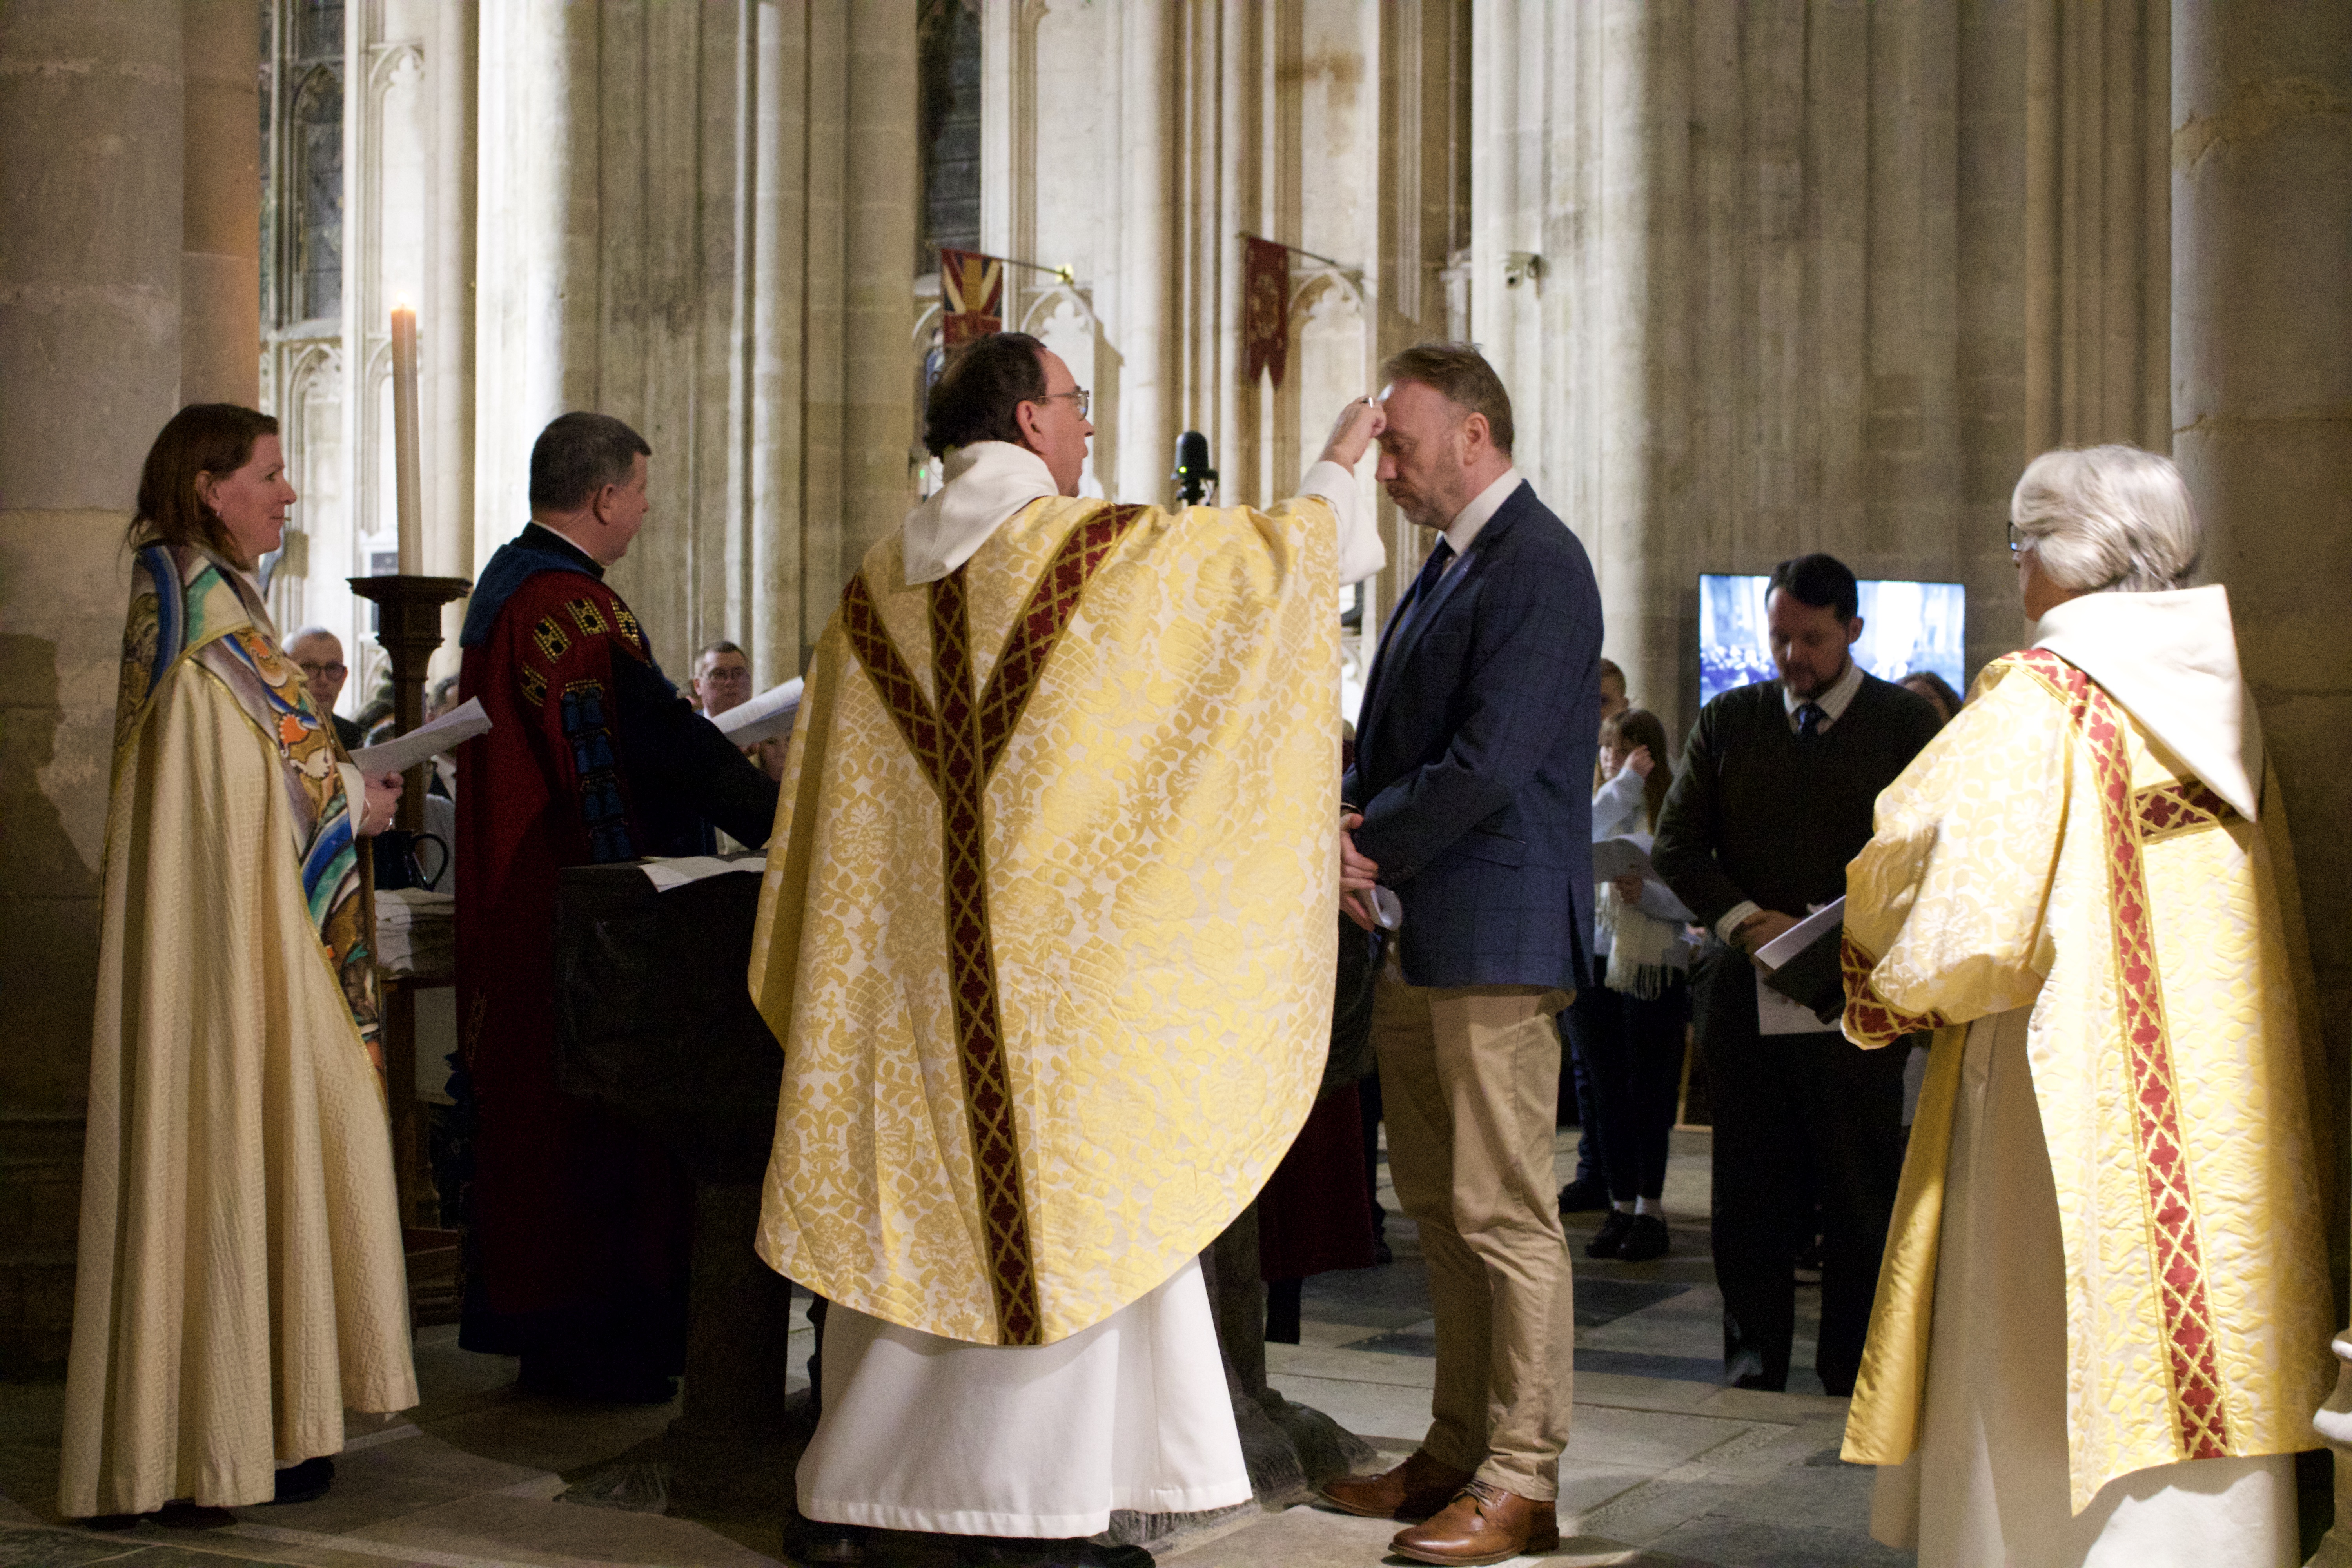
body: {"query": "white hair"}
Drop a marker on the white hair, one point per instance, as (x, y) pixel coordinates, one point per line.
(2104, 519)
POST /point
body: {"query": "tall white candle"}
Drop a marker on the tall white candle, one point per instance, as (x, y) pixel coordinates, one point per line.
(407, 494)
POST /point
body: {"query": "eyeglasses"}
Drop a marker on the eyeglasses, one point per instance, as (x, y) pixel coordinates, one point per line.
(1086, 399)
(315, 670)
(2016, 540)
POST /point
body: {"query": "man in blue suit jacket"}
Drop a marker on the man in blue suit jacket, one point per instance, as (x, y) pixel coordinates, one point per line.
(1471, 800)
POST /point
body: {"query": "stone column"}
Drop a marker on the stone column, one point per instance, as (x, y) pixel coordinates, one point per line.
(2261, 417)
(220, 261)
(91, 144)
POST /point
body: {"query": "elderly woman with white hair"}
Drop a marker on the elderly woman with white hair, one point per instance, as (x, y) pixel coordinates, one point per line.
(2102, 1325)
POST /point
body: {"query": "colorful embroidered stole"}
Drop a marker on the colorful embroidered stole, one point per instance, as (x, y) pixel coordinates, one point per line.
(186, 607)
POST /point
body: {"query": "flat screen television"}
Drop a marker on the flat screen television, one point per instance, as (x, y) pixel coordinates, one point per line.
(1904, 627)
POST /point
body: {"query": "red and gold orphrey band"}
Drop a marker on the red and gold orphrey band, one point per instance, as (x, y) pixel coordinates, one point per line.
(2178, 1260)
(958, 744)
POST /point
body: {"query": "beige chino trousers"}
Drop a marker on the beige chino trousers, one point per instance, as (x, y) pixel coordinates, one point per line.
(1470, 1089)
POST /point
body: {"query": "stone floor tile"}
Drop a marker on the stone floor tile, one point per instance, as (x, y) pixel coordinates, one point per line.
(385, 1481)
(537, 1432)
(1742, 1543)
(516, 1529)
(1373, 1411)
(1652, 1440)
(1636, 1393)
(1807, 1496)
(1350, 1365)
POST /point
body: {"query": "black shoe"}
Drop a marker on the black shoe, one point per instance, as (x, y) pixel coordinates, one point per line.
(305, 1482)
(1583, 1197)
(815, 1540)
(182, 1514)
(1611, 1236)
(1645, 1239)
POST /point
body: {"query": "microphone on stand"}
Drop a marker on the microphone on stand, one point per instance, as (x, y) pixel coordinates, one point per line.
(1193, 477)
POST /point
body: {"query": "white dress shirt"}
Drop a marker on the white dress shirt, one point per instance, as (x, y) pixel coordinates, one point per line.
(1833, 702)
(1472, 519)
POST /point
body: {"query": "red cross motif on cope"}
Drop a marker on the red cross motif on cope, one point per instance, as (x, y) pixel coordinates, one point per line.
(958, 742)
(2177, 1253)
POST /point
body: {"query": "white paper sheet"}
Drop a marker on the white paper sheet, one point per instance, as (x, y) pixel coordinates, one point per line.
(677, 872)
(1777, 1015)
(1801, 936)
(1625, 857)
(445, 734)
(769, 714)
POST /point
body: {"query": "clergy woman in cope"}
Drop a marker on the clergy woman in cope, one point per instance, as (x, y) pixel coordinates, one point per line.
(241, 1280)
(2102, 1325)
(1047, 935)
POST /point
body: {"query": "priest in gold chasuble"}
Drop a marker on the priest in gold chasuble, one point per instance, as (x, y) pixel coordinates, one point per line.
(1046, 936)
(2102, 1324)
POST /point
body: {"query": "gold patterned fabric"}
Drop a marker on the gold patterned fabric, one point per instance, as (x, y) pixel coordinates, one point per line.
(1047, 925)
(2046, 853)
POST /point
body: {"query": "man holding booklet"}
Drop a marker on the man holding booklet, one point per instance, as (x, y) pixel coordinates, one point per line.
(1774, 798)
(578, 1220)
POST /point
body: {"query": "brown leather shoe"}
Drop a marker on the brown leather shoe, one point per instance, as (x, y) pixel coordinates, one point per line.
(1484, 1523)
(1414, 1490)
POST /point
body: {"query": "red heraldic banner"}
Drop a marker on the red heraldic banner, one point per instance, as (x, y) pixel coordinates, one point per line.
(1266, 309)
(971, 296)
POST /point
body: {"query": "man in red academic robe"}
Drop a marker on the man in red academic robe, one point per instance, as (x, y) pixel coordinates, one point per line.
(578, 1220)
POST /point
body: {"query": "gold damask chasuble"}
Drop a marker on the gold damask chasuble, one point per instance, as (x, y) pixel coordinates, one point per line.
(2047, 852)
(1047, 925)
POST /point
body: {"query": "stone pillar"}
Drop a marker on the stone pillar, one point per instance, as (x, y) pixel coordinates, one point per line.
(92, 133)
(446, 445)
(2262, 427)
(220, 261)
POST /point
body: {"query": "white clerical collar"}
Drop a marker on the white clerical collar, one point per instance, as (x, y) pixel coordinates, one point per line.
(988, 481)
(1481, 511)
(1833, 702)
(2171, 660)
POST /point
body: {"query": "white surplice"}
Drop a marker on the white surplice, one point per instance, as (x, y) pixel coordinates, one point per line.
(927, 1434)
(1995, 1434)
(923, 1433)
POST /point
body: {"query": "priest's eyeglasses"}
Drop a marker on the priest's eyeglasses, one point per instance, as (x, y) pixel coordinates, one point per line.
(1086, 399)
(2016, 540)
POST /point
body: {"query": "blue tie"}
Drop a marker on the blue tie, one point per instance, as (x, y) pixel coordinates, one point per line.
(1809, 720)
(1423, 586)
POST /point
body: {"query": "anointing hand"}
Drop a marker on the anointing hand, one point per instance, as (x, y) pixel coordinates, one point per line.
(1357, 875)
(1359, 426)
(383, 801)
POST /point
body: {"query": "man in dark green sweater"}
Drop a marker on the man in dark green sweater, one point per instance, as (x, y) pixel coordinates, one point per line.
(1773, 799)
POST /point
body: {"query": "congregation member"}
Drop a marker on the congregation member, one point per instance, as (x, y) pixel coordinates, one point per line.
(722, 682)
(1628, 1026)
(1470, 802)
(2104, 1319)
(1773, 799)
(1938, 692)
(318, 653)
(1588, 1189)
(241, 1281)
(581, 1220)
(1046, 936)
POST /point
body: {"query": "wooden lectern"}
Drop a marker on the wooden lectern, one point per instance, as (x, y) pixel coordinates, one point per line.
(409, 630)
